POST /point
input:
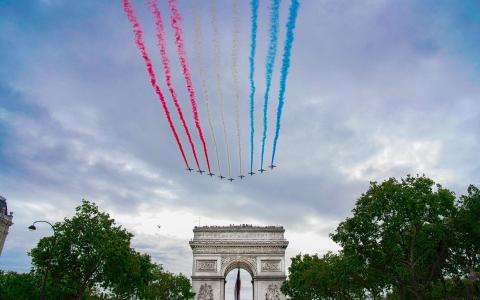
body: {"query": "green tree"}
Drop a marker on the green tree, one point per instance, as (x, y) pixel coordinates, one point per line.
(89, 252)
(467, 229)
(83, 250)
(165, 285)
(455, 288)
(129, 275)
(400, 230)
(464, 264)
(331, 276)
(18, 286)
(407, 239)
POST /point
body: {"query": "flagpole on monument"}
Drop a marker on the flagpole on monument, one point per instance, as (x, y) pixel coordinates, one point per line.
(237, 285)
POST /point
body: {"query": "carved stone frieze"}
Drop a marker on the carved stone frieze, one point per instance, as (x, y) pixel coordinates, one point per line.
(227, 260)
(238, 242)
(273, 292)
(206, 265)
(205, 292)
(270, 265)
(238, 250)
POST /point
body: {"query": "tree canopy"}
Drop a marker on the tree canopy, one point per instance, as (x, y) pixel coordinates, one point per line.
(331, 276)
(18, 286)
(408, 238)
(165, 285)
(89, 253)
(466, 226)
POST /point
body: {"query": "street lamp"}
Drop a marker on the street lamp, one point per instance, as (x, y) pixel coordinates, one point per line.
(32, 228)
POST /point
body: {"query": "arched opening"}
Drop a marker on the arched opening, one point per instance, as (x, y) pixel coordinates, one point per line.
(246, 280)
(246, 290)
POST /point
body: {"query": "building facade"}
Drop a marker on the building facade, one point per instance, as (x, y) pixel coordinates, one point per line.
(217, 250)
(5, 221)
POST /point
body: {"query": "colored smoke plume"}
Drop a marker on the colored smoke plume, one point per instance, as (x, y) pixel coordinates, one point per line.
(127, 7)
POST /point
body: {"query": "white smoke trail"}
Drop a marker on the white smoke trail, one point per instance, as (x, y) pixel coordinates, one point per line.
(216, 54)
(198, 41)
(235, 33)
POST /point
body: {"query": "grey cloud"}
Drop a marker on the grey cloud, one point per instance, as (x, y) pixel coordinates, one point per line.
(359, 73)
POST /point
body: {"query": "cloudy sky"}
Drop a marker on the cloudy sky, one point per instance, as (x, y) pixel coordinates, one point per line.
(376, 89)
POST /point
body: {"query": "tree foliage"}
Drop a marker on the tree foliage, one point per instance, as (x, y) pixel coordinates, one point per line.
(85, 251)
(408, 238)
(90, 252)
(21, 286)
(400, 230)
(26, 286)
(331, 276)
(165, 285)
(466, 225)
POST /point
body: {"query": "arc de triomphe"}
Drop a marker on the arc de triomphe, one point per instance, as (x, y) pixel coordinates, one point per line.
(217, 250)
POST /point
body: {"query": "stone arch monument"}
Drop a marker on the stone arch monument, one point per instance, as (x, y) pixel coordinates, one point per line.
(217, 250)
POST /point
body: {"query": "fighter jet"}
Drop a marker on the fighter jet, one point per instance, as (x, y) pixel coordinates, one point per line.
(241, 177)
(272, 166)
(231, 179)
(211, 174)
(189, 169)
(221, 177)
(262, 170)
(251, 173)
(200, 171)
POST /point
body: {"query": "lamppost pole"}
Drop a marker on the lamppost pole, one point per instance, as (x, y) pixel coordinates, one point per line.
(44, 281)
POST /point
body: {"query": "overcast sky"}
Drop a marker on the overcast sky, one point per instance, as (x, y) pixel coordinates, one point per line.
(376, 89)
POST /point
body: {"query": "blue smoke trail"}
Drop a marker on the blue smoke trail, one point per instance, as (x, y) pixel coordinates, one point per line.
(272, 52)
(251, 59)
(292, 17)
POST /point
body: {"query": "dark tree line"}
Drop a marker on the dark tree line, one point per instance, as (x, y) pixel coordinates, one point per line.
(407, 239)
(90, 257)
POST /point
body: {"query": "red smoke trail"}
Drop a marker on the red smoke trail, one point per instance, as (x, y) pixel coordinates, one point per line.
(175, 21)
(127, 7)
(168, 74)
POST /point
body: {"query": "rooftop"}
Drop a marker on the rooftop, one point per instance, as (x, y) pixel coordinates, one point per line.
(237, 228)
(3, 206)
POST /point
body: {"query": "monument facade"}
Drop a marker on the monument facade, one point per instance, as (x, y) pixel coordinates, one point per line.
(260, 250)
(5, 222)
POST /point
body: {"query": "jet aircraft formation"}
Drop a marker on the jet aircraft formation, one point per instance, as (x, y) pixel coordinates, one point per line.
(175, 19)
